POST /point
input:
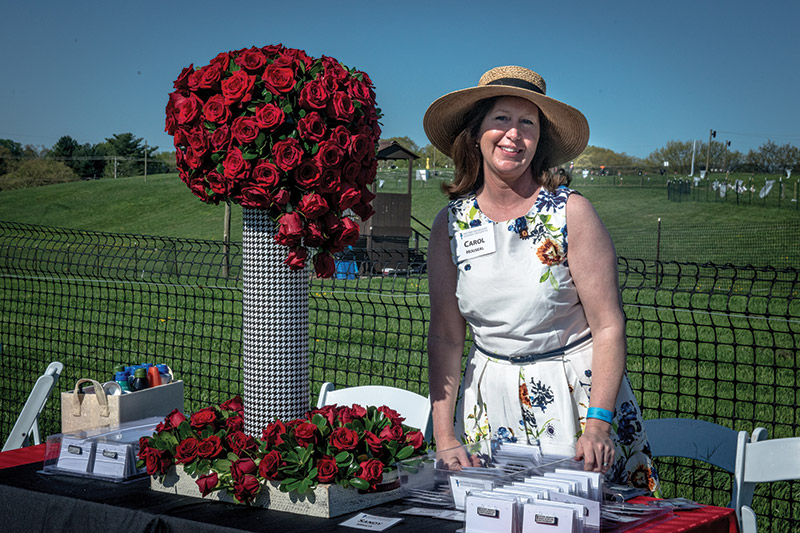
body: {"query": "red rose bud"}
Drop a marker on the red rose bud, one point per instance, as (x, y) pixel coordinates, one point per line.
(234, 404)
(238, 87)
(252, 60)
(305, 433)
(327, 469)
(415, 439)
(348, 196)
(269, 465)
(290, 231)
(182, 83)
(287, 153)
(349, 235)
(312, 206)
(207, 483)
(392, 433)
(273, 433)
(209, 447)
(296, 260)
(324, 265)
(391, 414)
(364, 211)
(344, 439)
(245, 490)
(269, 116)
(371, 472)
(186, 450)
(278, 79)
(174, 418)
(281, 198)
(314, 95)
(374, 443)
(340, 107)
(266, 174)
(242, 467)
(314, 234)
(312, 127)
(244, 130)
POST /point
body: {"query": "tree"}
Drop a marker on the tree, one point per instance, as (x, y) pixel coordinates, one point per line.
(129, 152)
(37, 172)
(435, 156)
(593, 157)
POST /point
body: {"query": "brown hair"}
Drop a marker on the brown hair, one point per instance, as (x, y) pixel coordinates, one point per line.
(468, 159)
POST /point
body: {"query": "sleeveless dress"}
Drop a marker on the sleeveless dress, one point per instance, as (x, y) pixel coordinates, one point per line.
(520, 300)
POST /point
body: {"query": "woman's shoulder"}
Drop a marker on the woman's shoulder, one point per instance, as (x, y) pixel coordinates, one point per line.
(554, 201)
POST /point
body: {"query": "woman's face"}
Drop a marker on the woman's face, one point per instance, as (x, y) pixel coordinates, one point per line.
(508, 137)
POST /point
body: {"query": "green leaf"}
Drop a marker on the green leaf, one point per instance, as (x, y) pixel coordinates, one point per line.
(261, 140)
(232, 456)
(405, 453)
(222, 465)
(359, 483)
(553, 282)
(343, 458)
(247, 156)
(544, 276)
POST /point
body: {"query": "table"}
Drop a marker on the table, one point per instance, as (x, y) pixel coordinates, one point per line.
(30, 501)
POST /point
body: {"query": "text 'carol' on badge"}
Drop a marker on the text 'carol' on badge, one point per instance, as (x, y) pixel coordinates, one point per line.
(474, 242)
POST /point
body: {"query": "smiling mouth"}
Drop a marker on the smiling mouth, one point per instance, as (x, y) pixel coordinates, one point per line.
(510, 150)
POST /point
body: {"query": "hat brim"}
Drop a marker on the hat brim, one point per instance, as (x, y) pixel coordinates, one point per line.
(445, 118)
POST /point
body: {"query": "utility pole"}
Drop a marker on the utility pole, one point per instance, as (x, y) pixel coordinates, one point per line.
(145, 161)
(725, 160)
(711, 135)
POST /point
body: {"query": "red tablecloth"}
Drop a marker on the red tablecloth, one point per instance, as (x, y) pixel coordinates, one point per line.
(22, 456)
(708, 519)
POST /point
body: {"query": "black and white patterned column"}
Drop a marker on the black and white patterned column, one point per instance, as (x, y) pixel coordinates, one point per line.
(274, 327)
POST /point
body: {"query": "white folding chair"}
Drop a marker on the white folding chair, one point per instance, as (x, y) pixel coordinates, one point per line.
(27, 425)
(700, 440)
(761, 462)
(416, 409)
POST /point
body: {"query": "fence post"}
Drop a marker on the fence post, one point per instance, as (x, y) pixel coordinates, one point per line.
(658, 253)
(226, 240)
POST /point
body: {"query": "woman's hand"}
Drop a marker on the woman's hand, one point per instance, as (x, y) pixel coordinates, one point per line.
(451, 455)
(595, 446)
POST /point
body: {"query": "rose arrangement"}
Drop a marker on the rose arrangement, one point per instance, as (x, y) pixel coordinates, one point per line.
(272, 128)
(349, 446)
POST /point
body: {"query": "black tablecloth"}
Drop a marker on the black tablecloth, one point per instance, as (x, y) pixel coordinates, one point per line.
(30, 501)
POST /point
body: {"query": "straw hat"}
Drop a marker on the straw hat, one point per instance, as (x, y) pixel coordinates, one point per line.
(568, 131)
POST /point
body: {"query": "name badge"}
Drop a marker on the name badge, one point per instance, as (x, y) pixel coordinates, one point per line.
(474, 242)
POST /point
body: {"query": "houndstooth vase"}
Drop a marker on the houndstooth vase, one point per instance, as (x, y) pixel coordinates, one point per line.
(274, 327)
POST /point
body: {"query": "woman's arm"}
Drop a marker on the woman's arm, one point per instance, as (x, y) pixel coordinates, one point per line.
(593, 266)
(446, 333)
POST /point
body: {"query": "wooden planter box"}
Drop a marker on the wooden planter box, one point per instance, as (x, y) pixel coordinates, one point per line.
(326, 501)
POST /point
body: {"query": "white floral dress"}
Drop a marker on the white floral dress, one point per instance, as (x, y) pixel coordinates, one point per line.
(519, 300)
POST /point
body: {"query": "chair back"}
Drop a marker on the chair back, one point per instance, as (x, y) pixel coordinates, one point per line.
(26, 428)
(693, 439)
(416, 409)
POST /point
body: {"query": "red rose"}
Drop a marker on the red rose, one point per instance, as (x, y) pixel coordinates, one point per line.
(234, 404)
(219, 183)
(223, 59)
(235, 165)
(243, 467)
(272, 50)
(374, 443)
(348, 196)
(363, 210)
(327, 411)
(203, 417)
(270, 116)
(174, 419)
(239, 442)
(291, 229)
(281, 198)
(207, 483)
(359, 411)
(288, 154)
(182, 83)
(392, 433)
(344, 439)
(186, 450)
(332, 222)
(247, 487)
(192, 159)
(216, 110)
(221, 137)
(314, 236)
(278, 79)
(238, 87)
(251, 60)
(312, 206)
(415, 439)
(206, 77)
(307, 175)
(329, 180)
(351, 171)
(255, 196)
(324, 265)
(329, 155)
(360, 147)
(340, 107)
(186, 108)
(198, 140)
(210, 447)
(157, 461)
(144, 443)
(312, 127)
(273, 433)
(266, 174)
(333, 69)
(360, 90)
(349, 235)
(341, 137)
(244, 129)
(371, 471)
(347, 415)
(269, 465)
(296, 260)
(367, 174)
(305, 433)
(314, 95)
(327, 469)
(234, 423)
(391, 414)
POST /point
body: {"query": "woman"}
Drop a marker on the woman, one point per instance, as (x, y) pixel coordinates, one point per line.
(544, 311)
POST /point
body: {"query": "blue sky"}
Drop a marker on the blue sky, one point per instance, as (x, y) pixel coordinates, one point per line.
(642, 72)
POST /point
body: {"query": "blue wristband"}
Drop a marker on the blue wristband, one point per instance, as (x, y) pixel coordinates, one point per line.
(599, 413)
